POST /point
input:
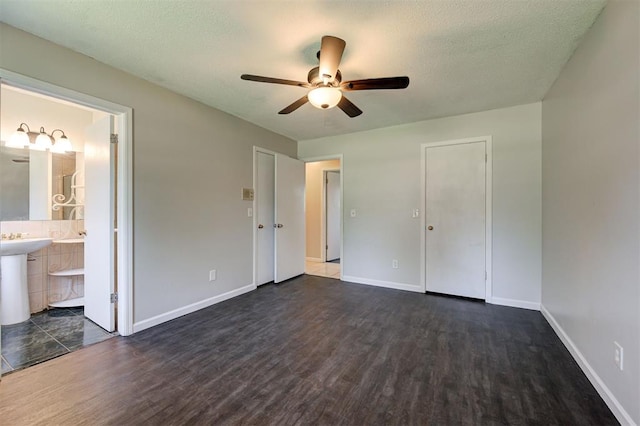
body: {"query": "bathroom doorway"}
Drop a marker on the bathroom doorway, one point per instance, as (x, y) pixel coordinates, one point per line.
(73, 300)
(323, 201)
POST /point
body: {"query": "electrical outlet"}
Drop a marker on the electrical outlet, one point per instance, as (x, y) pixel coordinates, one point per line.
(212, 275)
(353, 212)
(618, 355)
(394, 263)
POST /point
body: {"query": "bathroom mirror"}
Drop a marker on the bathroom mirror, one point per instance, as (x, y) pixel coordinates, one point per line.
(29, 179)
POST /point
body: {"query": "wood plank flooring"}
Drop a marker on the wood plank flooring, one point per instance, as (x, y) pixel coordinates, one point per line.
(315, 351)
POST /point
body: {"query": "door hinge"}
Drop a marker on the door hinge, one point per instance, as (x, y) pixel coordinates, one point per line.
(326, 247)
(114, 138)
(114, 297)
(486, 276)
(486, 158)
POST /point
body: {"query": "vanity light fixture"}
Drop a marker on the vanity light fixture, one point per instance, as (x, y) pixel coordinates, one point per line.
(42, 141)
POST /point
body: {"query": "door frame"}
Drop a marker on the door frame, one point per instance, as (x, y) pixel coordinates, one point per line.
(488, 206)
(124, 212)
(323, 220)
(323, 213)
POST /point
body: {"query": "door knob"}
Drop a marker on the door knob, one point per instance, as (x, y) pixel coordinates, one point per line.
(280, 225)
(82, 233)
(430, 228)
(260, 226)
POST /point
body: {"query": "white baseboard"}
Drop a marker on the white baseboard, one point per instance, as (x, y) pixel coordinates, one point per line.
(621, 414)
(514, 303)
(386, 284)
(314, 259)
(168, 316)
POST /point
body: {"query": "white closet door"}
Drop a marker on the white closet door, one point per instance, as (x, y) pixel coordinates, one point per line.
(98, 214)
(455, 219)
(265, 206)
(289, 218)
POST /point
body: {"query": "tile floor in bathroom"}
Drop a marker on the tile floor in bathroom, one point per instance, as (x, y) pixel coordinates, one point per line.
(328, 269)
(46, 335)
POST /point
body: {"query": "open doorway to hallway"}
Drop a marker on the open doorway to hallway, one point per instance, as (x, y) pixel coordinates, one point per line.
(323, 212)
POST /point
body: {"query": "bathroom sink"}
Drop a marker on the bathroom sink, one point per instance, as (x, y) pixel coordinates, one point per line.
(14, 292)
(23, 246)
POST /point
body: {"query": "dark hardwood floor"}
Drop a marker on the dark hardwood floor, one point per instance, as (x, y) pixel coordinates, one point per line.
(317, 351)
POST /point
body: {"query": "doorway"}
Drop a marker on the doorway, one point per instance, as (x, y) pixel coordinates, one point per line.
(332, 215)
(456, 236)
(89, 179)
(323, 201)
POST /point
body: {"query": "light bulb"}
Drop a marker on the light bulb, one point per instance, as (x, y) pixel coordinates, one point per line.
(324, 97)
(19, 139)
(43, 141)
(63, 144)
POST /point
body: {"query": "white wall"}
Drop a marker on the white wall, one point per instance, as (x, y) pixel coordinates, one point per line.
(190, 162)
(314, 173)
(381, 178)
(591, 207)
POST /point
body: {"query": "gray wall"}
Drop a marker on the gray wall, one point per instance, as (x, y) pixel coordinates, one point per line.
(591, 210)
(190, 162)
(381, 178)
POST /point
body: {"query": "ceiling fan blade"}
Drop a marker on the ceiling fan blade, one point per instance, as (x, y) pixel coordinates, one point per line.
(331, 51)
(262, 79)
(294, 106)
(349, 108)
(376, 84)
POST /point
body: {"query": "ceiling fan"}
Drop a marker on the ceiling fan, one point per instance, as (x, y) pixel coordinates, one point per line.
(325, 81)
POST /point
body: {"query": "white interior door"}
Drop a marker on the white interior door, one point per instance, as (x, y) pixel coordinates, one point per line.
(289, 218)
(332, 215)
(265, 211)
(455, 219)
(99, 217)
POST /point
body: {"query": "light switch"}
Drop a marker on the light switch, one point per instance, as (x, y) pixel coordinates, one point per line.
(415, 213)
(249, 212)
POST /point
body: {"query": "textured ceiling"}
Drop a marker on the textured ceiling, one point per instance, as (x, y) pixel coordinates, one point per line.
(461, 56)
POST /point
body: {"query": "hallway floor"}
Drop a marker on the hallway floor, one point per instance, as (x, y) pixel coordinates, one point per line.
(320, 269)
(47, 335)
(316, 351)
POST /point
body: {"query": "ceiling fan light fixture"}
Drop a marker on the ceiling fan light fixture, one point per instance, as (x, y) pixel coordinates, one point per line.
(325, 81)
(325, 97)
